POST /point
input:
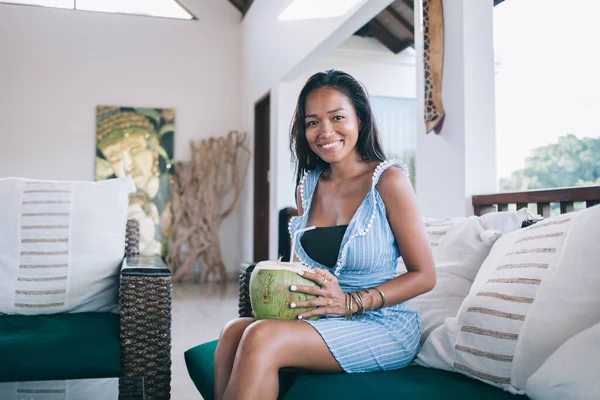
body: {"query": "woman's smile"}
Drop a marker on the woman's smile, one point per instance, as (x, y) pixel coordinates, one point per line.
(330, 146)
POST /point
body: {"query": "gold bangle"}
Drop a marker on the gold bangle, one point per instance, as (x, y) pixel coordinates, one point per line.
(360, 305)
(346, 298)
(373, 303)
(348, 306)
(382, 297)
(362, 300)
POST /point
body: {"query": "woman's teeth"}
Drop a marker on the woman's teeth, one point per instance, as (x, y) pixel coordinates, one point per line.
(329, 145)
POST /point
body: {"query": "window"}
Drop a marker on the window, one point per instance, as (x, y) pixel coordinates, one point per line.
(546, 93)
(396, 121)
(154, 8)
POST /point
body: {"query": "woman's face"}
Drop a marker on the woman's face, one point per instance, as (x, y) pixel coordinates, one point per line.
(331, 124)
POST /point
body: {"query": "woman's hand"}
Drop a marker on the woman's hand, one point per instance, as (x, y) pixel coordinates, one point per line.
(331, 299)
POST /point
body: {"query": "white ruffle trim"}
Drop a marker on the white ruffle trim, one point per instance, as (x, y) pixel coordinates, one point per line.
(376, 175)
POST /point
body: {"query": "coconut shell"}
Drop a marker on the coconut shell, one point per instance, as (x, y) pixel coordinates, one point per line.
(270, 294)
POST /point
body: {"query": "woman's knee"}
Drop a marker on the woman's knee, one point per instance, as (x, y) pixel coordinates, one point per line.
(260, 337)
(232, 331)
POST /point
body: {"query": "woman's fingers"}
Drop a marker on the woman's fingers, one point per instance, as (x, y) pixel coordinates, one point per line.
(318, 302)
(328, 294)
(312, 276)
(319, 276)
(323, 273)
(307, 289)
(317, 311)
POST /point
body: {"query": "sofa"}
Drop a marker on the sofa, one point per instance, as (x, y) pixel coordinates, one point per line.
(116, 316)
(517, 295)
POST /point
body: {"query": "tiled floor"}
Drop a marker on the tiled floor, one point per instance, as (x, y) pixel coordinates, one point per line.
(199, 313)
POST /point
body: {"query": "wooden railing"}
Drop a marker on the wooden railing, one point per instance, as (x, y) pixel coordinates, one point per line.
(566, 197)
(482, 204)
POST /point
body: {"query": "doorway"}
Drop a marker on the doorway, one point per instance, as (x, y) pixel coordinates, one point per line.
(262, 133)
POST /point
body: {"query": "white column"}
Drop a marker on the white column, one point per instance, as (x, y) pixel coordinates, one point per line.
(461, 161)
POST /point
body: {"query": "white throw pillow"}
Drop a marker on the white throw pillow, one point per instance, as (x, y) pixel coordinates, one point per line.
(459, 246)
(538, 287)
(72, 389)
(61, 244)
(571, 372)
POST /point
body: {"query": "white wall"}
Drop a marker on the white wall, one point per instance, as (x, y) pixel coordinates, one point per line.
(273, 50)
(56, 66)
(383, 74)
(461, 161)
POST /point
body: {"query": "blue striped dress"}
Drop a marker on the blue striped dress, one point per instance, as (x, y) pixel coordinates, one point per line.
(385, 339)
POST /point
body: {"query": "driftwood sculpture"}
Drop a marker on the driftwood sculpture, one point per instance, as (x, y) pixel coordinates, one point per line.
(204, 192)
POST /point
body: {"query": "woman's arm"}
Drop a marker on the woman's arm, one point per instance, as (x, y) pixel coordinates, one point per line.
(406, 223)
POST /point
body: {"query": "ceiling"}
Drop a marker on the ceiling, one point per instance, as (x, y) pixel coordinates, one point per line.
(242, 5)
(394, 26)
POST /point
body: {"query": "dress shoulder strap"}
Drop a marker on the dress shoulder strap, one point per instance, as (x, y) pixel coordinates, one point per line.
(307, 185)
(385, 165)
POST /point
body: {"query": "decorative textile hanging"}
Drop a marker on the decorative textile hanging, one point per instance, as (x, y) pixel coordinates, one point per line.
(433, 56)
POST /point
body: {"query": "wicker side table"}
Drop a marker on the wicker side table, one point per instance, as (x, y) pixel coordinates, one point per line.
(245, 308)
(145, 299)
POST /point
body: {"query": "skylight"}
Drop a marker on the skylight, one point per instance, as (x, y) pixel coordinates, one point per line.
(154, 8)
(313, 9)
(45, 3)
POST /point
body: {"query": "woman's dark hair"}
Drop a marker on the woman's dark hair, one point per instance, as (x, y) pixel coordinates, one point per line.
(368, 145)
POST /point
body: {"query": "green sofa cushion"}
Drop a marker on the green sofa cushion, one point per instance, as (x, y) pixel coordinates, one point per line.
(200, 364)
(59, 346)
(201, 367)
(413, 382)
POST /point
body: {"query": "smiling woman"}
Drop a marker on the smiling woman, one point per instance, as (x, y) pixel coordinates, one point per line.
(365, 212)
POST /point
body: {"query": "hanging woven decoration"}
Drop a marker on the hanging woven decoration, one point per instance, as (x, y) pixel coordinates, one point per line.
(433, 56)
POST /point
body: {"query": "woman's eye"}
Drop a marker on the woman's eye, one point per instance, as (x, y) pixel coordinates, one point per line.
(311, 123)
(338, 118)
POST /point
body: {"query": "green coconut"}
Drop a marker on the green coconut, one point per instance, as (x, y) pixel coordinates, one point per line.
(270, 294)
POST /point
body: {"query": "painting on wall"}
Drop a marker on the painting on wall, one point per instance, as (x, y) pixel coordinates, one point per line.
(139, 142)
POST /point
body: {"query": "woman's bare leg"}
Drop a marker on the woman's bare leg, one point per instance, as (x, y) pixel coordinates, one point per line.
(225, 353)
(269, 345)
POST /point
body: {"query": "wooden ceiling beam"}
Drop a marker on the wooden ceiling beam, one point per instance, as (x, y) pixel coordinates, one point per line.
(246, 7)
(409, 3)
(387, 38)
(242, 5)
(400, 18)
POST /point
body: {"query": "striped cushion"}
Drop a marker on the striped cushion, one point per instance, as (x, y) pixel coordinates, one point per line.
(538, 287)
(61, 244)
(459, 246)
(61, 390)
